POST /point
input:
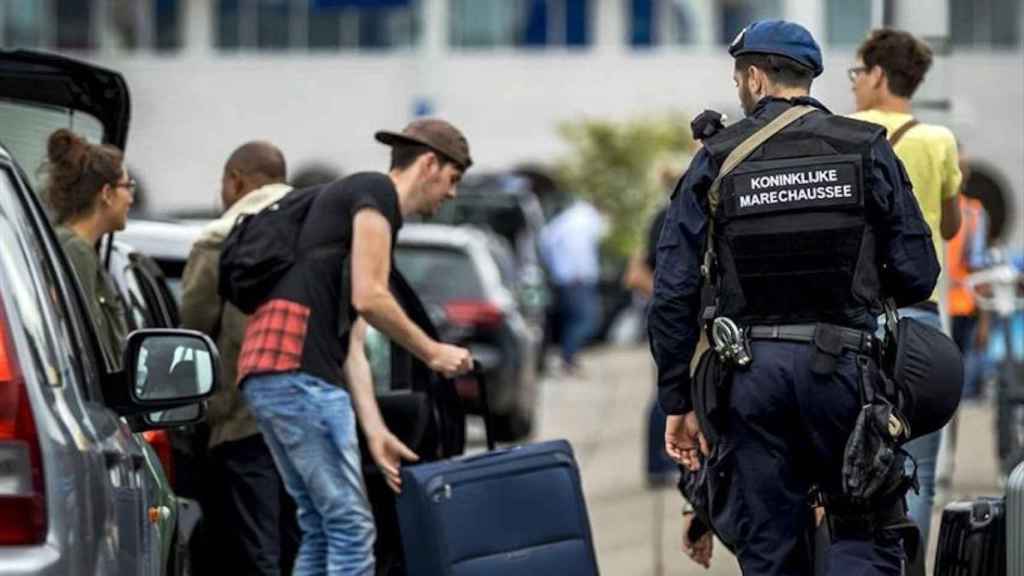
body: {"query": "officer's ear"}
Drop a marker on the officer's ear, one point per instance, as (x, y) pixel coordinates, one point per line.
(755, 79)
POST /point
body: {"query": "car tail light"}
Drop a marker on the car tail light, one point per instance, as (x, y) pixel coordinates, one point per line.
(22, 492)
(473, 313)
(161, 444)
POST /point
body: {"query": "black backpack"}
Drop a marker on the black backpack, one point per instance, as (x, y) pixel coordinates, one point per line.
(261, 248)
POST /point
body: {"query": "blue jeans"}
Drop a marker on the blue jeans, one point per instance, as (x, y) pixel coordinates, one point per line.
(581, 311)
(310, 428)
(925, 449)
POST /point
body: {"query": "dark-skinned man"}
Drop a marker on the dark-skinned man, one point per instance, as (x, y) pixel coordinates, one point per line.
(249, 520)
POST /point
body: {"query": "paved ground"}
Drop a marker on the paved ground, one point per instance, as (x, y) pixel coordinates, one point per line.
(637, 530)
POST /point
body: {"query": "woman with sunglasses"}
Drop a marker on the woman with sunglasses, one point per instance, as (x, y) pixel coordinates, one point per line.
(89, 193)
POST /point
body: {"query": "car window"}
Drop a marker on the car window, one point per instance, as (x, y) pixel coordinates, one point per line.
(505, 259)
(27, 127)
(29, 285)
(494, 211)
(439, 274)
(139, 312)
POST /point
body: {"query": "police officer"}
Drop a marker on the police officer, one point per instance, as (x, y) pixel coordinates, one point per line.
(795, 248)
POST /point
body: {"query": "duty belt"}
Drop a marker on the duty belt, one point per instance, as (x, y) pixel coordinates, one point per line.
(850, 338)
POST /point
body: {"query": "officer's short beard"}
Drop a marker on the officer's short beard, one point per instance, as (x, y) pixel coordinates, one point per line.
(747, 99)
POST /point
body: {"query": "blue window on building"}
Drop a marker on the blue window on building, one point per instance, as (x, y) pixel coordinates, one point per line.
(120, 25)
(316, 24)
(735, 15)
(273, 28)
(661, 22)
(536, 32)
(642, 27)
(577, 23)
(320, 4)
(986, 23)
(167, 24)
(228, 17)
(519, 23)
(847, 23)
(74, 24)
(21, 23)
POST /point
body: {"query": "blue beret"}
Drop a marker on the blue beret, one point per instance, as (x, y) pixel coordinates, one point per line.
(782, 38)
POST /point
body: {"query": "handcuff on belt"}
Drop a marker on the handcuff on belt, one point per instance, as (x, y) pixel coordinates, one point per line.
(730, 343)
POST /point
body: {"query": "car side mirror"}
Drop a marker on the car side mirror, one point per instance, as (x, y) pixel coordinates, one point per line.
(164, 369)
(175, 416)
(165, 419)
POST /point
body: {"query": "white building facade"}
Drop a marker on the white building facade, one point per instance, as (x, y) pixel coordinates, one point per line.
(318, 77)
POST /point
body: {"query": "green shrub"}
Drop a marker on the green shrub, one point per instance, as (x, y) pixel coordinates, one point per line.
(614, 165)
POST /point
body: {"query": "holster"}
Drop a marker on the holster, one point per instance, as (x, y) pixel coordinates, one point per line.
(875, 480)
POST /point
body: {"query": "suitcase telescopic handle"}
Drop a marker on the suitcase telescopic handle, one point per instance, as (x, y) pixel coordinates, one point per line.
(485, 406)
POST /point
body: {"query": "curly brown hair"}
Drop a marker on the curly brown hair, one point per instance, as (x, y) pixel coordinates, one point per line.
(76, 173)
(904, 59)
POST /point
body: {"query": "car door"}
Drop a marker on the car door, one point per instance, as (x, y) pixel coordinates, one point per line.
(39, 93)
(94, 495)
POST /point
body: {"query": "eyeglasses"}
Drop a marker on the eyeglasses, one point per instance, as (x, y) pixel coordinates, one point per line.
(852, 73)
(130, 185)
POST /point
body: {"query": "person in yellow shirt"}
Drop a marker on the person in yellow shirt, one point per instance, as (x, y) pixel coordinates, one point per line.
(891, 64)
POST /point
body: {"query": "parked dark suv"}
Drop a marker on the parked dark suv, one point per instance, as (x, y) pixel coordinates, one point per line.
(459, 271)
(81, 492)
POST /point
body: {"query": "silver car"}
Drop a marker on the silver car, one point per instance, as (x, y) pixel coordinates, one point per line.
(78, 489)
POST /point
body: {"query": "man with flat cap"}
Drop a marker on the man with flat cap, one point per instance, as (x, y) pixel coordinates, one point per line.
(784, 237)
(301, 367)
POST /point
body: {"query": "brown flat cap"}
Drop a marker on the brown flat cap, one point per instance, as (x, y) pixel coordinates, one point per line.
(435, 134)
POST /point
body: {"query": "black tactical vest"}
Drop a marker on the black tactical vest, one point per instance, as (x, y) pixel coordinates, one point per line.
(791, 234)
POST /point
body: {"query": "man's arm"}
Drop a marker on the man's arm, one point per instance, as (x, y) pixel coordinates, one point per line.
(910, 267)
(951, 180)
(639, 276)
(675, 306)
(950, 222)
(372, 299)
(385, 448)
(200, 302)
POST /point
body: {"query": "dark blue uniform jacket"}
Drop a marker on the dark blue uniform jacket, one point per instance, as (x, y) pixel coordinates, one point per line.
(909, 264)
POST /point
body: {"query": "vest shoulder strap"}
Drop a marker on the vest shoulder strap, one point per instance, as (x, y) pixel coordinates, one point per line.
(740, 153)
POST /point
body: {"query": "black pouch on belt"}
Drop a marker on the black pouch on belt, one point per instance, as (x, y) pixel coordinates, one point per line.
(828, 345)
(710, 393)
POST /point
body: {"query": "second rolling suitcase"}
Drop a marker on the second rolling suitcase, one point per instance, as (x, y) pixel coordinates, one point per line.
(972, 539)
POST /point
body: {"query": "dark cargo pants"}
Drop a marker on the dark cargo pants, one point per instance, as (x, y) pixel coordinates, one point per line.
(787, 431)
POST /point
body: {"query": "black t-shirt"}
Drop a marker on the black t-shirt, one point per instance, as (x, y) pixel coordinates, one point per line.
(321, 279)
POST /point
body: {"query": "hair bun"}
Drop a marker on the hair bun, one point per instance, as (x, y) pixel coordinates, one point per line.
(64, 146)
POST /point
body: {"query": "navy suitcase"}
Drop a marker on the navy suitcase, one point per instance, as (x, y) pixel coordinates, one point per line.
(501, 513)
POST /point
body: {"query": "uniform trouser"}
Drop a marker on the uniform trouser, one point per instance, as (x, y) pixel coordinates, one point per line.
(787, 431)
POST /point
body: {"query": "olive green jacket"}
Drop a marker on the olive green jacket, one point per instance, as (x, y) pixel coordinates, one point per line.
(202, 309)
(106, 307)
